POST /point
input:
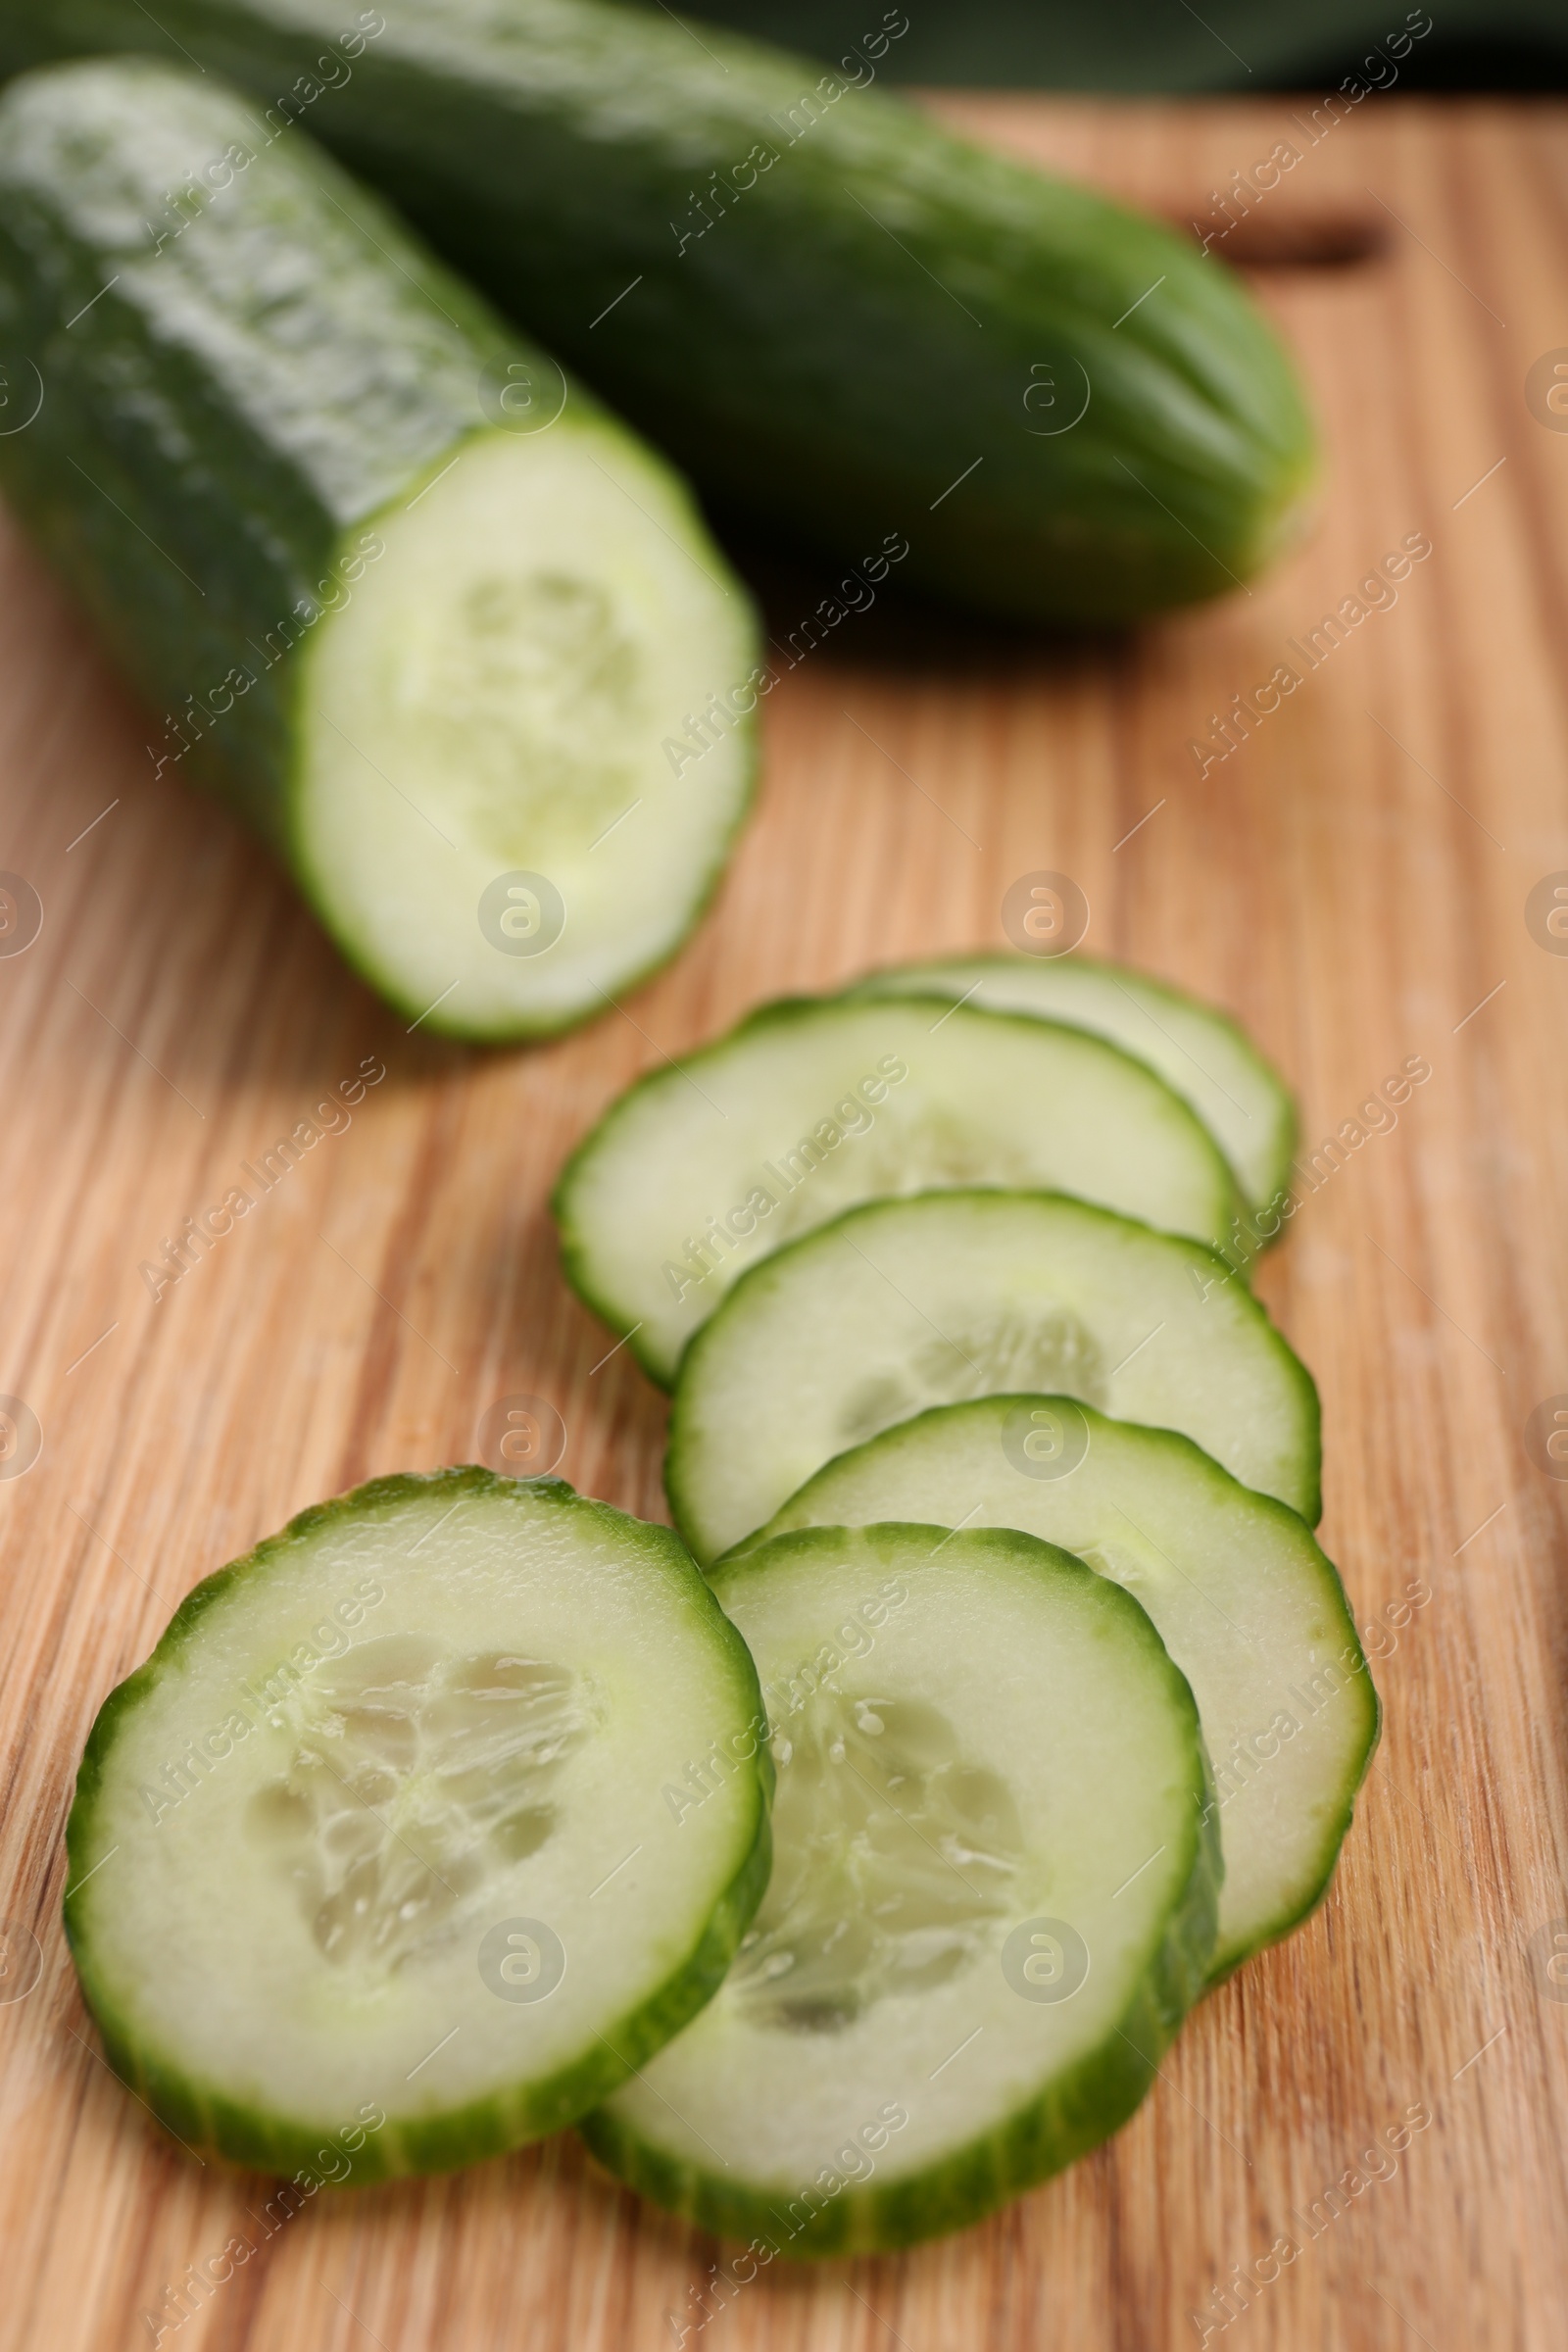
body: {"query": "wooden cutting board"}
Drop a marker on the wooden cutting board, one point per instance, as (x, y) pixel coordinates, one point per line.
(1353, 881)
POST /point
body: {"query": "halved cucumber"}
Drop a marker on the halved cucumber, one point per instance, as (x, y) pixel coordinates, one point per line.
(906, 1303)
(705, 1166)
(377, 1829)
(1201, 1053)
(992, 1903)
(1249, 1608)
(424, 611)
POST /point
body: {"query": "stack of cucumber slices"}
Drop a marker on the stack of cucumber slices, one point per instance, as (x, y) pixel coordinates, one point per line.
(851, 1885)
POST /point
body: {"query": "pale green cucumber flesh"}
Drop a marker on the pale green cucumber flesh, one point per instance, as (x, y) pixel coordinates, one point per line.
(992, 1901)
(814, 1104)
(376, 1831)
(907, 1303)
(485, 812)
(1201, 1053)
(1248, 1605)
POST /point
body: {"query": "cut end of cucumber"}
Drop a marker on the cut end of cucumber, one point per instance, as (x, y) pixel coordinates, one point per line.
(379, 1828)
(503, 809)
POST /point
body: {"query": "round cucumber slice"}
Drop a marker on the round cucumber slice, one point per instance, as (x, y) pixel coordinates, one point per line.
(1201, 1053)
(991, 1900)
(705, 1166)
(377, 1829)
(907, 1303)
(486, 815)
(1249, 1608)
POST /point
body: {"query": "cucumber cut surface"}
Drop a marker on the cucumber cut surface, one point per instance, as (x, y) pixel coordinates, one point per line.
(1201, 1053)
(709, 1164)
(907, 1303)
(1249, 1608)
(377, 1828)
(485, 810)
(991, 1900)
(416, 605)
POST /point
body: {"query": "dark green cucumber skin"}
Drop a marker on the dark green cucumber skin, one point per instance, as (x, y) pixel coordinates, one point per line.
(803, 367)
(1041, 2138)
(206, 2123)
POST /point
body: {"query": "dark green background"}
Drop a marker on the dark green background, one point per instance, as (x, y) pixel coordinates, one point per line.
(1162, 45)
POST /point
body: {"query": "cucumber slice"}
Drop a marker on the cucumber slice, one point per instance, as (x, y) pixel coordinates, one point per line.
(1249, 1608)
(1201, 1053)
(992, 1904)
(811, 1105)
(377, 1829)
(907, 1303)
(426, 614)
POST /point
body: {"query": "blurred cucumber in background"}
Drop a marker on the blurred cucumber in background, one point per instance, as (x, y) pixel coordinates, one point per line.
(848, 324)
(1153, 45)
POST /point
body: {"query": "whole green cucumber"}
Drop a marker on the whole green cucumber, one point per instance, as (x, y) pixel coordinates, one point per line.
(424, 611)
(838, 316)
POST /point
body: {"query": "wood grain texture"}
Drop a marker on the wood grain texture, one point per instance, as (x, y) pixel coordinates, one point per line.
(1352, 881)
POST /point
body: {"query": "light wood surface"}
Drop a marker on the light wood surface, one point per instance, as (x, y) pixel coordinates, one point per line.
(1352, 882)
